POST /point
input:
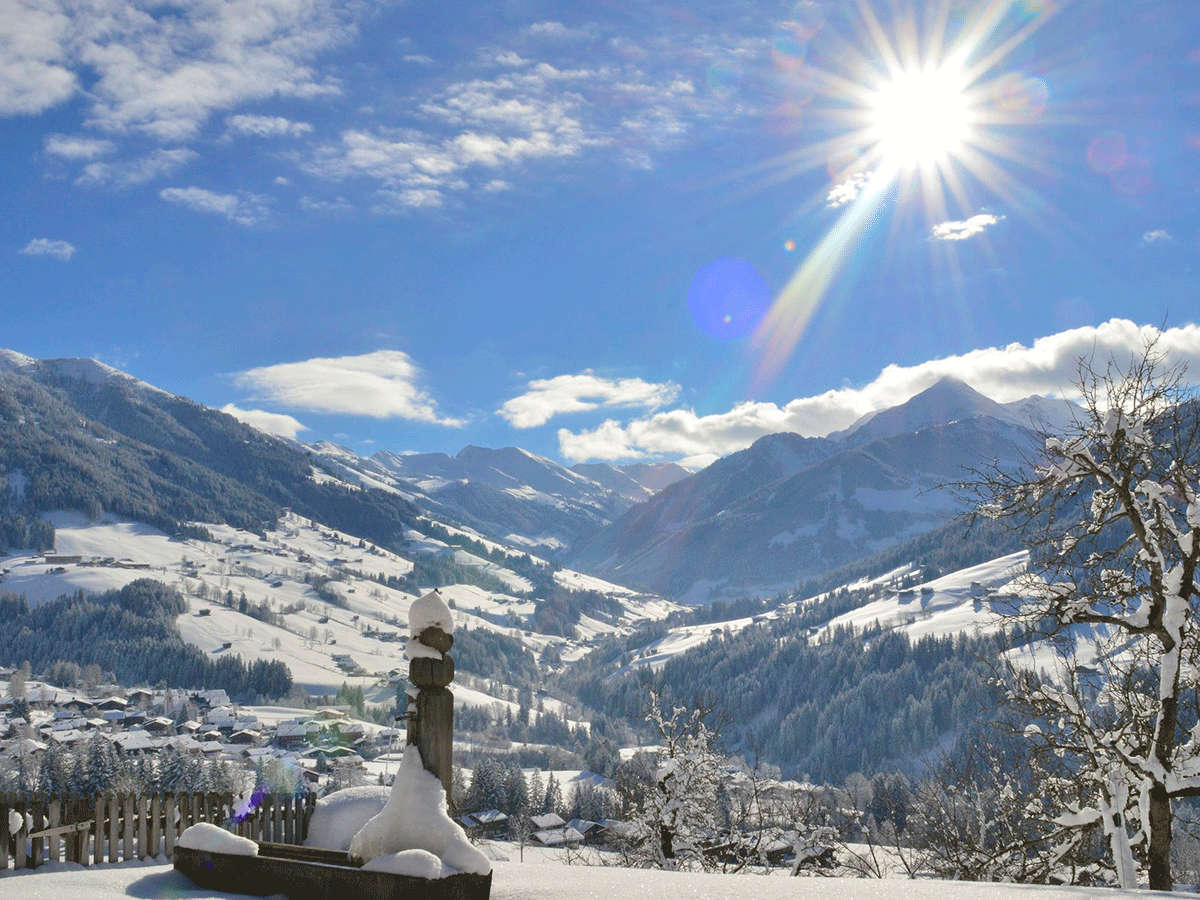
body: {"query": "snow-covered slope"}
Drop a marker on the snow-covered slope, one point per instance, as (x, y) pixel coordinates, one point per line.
(356, 640)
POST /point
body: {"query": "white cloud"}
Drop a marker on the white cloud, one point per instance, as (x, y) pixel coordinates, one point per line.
(129, 172)
(48, 247)
(77, 147)
(418, 59)
(383, 385)
(1002, 373)
(242, 208)
(967, 228)
(163, 70)
(1157, 236)
(267, 126)
(556, 31)
(34, 71)
(546, 398)
(272, 423)
(846, 191)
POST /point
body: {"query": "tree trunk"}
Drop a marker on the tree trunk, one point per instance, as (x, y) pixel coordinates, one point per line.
(1160, 839)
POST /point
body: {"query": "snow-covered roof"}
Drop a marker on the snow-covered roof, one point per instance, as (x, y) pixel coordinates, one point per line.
(554, 837)
(547, 820)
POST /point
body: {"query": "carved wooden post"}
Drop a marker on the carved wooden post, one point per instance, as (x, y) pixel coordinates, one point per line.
(431, 669)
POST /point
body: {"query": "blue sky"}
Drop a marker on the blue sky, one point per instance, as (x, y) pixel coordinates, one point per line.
(599, 231)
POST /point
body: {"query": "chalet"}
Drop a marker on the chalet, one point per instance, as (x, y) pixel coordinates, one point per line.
(547, 821)
(244, 737)
(590, 830)
(160, 725)
(62, 559)
(291, 734)
(111, 704)
(566, 836)
(485, 822)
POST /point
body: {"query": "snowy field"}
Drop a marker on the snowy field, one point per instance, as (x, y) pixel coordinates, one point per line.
(534, 880)
(323, 645)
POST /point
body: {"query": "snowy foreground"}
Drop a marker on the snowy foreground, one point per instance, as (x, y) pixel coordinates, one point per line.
(554, 881)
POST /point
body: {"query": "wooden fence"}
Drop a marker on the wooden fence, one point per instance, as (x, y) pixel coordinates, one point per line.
(112, 827)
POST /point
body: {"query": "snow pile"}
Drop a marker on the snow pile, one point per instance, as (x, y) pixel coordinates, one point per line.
(15, 821)
(339, 816)
(212, 839)
(415, 818)
(414, 649)
(415, 863)
(428, 612)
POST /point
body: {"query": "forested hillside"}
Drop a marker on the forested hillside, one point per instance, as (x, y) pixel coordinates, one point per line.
(131, 635)
(110, 444)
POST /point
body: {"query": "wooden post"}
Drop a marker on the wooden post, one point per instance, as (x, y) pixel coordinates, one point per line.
(20, 855)
(114, 826)
(4, 807)
(141, 827)
(289, 820)
(37, 846)
(129, 807)
(276, 818)
(155, 825)
(169, 825)
(431, 724)
(53, 820)
(98, 828)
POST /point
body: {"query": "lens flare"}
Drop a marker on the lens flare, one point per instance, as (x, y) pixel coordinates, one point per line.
(918, 108)
(728, 298)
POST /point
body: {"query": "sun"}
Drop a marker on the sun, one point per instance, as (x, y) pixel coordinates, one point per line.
(920, 118)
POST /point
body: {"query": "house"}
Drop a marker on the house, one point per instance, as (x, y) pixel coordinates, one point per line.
(141, 697)
(111, 704)
(485, 822)
(245, 736)
(291, 734)
(565, 836)
(61, 559)
(590, 830)
(160, 725)
(547, 821)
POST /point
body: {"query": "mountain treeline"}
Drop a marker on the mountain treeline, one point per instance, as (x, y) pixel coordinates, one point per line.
(131, 634)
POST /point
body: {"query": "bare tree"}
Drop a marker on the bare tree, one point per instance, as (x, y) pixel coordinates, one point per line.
(1111, 515)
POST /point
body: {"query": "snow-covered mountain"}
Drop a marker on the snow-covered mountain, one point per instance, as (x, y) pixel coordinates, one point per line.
(508, 494)
(141, 483)
(790, 507)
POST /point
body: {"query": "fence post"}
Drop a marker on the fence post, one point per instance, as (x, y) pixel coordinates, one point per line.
(155, 824)
(98, 829)
(129, 807)
(20, 855)
(37, 848)
(114, 826)
(141, 826)
(169, 824)
(4, 800)
(53, 820)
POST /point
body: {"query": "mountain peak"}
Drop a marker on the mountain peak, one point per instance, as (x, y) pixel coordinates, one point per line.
(946, 400)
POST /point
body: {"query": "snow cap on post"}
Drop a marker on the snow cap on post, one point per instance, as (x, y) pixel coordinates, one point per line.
(430, 611)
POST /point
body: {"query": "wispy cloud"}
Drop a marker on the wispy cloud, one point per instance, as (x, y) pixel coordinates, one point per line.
(272, 423)
(1002, 373)
(545, 398)
(846, 191)
(267, 126)
(77, 147)
(1157, 236)
(966, 228)
(384, 384)
(60, 250)
(130, 172)
(244, 209)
